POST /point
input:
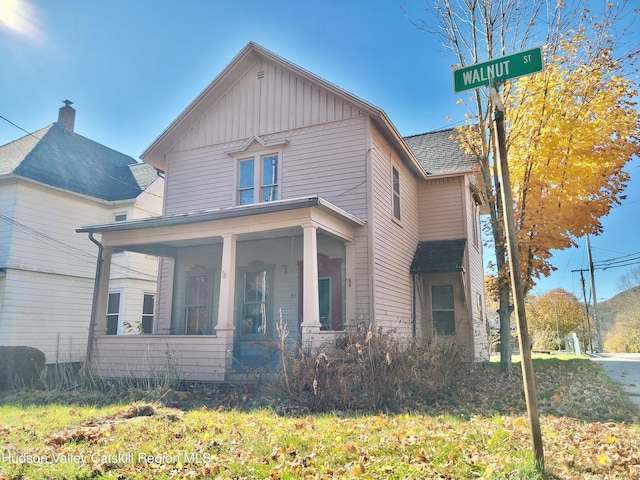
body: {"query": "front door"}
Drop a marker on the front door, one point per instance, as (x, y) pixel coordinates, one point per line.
(254, 320)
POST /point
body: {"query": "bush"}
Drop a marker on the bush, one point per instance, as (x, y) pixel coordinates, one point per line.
(20, 367)
(374, 371)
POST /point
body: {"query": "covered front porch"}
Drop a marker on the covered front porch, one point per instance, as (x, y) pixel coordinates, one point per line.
(231, 282)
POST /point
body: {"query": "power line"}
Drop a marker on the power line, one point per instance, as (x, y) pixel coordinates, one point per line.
(64, 247)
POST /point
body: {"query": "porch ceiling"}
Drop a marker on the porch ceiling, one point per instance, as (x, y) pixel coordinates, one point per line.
(163, 235)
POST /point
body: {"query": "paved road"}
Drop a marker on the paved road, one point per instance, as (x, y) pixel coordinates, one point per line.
(623, 368)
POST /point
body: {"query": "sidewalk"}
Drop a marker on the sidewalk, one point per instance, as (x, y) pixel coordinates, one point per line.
(622, 368)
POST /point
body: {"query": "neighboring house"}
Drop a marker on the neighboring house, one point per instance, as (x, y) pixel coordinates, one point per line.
(51, 181)
(289, 201)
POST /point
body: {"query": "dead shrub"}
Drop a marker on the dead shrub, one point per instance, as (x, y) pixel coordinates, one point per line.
(367, 370)
(20, 367)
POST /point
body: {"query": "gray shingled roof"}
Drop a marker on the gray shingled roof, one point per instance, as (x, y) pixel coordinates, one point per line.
(439, 153)
(439, 256)
(72, 162)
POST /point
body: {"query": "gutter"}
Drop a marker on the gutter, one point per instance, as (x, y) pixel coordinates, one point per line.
(94, 301)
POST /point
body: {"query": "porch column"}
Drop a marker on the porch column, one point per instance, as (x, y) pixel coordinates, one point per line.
(350, 284)
(225, 328)
(310, 306)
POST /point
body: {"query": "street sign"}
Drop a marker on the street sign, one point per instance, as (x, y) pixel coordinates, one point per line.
(503, 68)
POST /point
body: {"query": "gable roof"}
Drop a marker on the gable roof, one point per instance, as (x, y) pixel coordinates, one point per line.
(252, 52)
(439, 256)
(66, 160)
(439, 153)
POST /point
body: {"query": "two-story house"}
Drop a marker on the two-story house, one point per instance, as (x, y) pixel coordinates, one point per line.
(290, 202)
(51, 181)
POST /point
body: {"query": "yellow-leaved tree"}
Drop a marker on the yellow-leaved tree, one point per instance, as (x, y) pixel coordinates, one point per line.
(572, 129)
(552, 316)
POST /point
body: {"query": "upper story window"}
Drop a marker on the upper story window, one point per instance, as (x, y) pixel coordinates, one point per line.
(258, 179)
(119, 217)
(396, 193)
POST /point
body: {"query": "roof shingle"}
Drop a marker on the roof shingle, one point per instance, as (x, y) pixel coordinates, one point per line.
(63, 159)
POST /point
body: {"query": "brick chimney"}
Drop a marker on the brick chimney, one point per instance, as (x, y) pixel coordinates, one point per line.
(67, 115)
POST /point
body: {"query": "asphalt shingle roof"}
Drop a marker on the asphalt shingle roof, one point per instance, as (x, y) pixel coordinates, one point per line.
(439, 256)
(67, 160)
(439, 152)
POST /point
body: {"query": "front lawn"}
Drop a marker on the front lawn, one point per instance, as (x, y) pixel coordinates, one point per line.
(589, 427)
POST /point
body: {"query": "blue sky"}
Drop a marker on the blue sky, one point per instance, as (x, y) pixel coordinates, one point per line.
(131, 67)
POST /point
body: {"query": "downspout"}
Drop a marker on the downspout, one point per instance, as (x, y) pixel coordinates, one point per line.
(94, 302)
(413, 305)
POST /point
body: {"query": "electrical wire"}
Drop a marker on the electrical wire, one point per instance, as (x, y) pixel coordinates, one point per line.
(71, 250)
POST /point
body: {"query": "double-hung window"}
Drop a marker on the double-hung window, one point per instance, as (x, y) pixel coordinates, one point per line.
(258, 179)
(443, 309)
(148, 310)
(396, 193)
(197, 303)
(113, 313)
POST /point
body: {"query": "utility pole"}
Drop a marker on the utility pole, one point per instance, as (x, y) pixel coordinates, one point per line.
(596, 320)
(517, 287)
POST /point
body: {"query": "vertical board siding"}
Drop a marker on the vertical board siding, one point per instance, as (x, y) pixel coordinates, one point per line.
(394, 243)
(442, 209)
(278, 101)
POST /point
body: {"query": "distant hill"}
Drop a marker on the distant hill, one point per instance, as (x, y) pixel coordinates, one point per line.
(620, 321)
(608, 310)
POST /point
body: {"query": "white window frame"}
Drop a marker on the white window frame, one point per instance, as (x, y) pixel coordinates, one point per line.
(118, 314)
(116, 219)
(151, 315)
(258, 158)
(396, 194)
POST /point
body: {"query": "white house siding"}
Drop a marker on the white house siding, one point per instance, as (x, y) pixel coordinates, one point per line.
(51, 270)
(7, 205)
(47, 311)
(394, 242)
(441, 205)
(278, 101)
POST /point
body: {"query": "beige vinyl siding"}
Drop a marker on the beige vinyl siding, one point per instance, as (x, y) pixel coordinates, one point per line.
(279, 101)
(476, 284)
(394, 242)
(327, 160)
(192, 358)
(199, 179)
(442, 209)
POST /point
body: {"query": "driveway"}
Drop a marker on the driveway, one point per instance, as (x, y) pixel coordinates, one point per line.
(622, 368)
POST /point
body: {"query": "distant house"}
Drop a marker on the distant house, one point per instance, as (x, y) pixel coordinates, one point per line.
(289, 201)
(51, 181)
